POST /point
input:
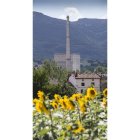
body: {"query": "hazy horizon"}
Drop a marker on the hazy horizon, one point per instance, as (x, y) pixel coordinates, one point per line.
(65, 17)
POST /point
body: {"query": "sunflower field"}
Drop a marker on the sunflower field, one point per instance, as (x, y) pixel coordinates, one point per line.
(79, 117)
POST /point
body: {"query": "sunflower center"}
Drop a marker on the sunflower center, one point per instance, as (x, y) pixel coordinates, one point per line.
(92, 92)
(64, 104)
(76, 98)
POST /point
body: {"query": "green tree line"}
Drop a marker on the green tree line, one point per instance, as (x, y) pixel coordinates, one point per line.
(42, 76)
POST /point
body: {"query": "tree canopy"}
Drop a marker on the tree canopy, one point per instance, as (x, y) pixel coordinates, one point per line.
(42, 76)
(100, 69)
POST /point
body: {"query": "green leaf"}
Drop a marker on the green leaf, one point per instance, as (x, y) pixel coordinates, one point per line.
(60, 138)
(48, 93)
(43, 131)
(34, 112)
(56, 119)
(38, 121)
(74, 115)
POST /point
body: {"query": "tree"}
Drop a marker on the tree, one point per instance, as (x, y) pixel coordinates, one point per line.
(47, 66)
(100, 69)
(88, 72)
(41, 80)
(67, 89)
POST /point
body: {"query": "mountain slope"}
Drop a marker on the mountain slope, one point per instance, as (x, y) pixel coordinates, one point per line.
(88, 37)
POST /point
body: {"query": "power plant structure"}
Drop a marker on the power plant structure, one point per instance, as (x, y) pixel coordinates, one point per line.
(68, 61)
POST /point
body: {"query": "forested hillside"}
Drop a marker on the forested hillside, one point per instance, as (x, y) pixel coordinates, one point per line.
(88, 37)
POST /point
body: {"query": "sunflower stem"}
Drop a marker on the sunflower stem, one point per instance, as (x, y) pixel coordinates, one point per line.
(50, 114)
(70, 122)
(90, 123)
(79, 119)
(79, 113)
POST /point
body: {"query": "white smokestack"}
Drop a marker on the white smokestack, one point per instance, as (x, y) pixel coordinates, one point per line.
(68, 60)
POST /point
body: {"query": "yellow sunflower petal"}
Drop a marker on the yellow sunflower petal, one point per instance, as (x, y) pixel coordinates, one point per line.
(105, 92)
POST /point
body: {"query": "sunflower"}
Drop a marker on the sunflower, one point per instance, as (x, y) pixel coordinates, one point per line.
(80, 95)
(63, 104)
(83, 130)
(40, 95)
(104, 102)
(41, 107)
(79, 127)
(57, 97)
(46, 110)
(74, 97)
(35, 100)
(65, 97)
(70, 105)
(87, 98)
(82, 107)
(69, 127)
(79, 123)
(91, 92)
(77, 130)
(54, 104)
(105, 92)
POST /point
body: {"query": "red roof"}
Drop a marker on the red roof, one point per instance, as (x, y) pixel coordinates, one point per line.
(53, 81)
(87, 76)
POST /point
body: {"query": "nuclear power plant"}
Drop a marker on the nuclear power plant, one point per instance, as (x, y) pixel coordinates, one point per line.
(68, 60)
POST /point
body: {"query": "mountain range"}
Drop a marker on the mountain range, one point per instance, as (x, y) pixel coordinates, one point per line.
(88, 37)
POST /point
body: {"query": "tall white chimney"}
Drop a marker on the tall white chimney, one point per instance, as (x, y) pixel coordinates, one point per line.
(68, 60)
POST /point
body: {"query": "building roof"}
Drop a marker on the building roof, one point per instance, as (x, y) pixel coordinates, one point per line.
(53, 81)
(87, 76)
(103, 76)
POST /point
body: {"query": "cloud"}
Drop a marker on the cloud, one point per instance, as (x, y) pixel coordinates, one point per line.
(73, 13)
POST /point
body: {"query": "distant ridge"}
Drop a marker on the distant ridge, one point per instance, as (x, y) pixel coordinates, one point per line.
(88, 37)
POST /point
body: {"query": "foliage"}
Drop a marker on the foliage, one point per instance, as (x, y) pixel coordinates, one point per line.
(42, 76)
(91, 65)
(80, 117)
(87, 72)
(101, 70)
(49, 37)
(40, 80)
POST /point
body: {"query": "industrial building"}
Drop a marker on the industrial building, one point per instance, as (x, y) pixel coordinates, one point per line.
(68, 61)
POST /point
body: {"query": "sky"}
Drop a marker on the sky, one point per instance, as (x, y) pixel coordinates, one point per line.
(74, 8)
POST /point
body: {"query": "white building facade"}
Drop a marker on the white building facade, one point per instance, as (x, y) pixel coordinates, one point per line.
(82, 81)
(82, 84)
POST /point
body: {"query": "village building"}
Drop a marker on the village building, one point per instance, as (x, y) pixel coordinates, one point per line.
(82, 81)
(85, 80)
(103, 82)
